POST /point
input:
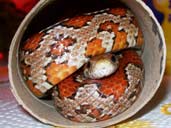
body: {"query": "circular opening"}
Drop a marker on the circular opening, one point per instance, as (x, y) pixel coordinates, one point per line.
(153, 56)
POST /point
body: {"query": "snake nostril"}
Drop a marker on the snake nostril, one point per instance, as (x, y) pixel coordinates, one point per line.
(88, 65)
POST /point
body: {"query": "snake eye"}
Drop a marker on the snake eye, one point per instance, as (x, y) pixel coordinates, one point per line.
(113, 58)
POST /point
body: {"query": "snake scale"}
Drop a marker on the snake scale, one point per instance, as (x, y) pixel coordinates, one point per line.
(65, 59)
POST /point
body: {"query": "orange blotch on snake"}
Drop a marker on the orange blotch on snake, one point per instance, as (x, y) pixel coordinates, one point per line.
(95, 113)
(78, 21)
(67, 88)
(57, 72)
(109, 26)
(118, 11)
(33, 42)
(94, 47)
(120, 41)
(67, 41)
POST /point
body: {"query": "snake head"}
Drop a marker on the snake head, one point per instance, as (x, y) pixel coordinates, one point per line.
(101, 66)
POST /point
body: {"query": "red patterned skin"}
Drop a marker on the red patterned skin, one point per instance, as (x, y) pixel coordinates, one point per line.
(55, 53)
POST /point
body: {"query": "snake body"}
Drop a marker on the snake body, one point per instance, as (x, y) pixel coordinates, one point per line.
(92, 100)
(55, 56)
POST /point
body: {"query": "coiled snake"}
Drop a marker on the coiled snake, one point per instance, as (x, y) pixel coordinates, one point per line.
(109, 81)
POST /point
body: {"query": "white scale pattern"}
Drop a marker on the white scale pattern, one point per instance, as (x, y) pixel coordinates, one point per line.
(76, 55)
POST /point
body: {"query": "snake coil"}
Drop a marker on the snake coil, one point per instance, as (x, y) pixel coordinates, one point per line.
(87, 62)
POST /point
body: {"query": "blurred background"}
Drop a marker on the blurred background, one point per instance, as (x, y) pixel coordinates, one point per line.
(13, 11)
(162, 11)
